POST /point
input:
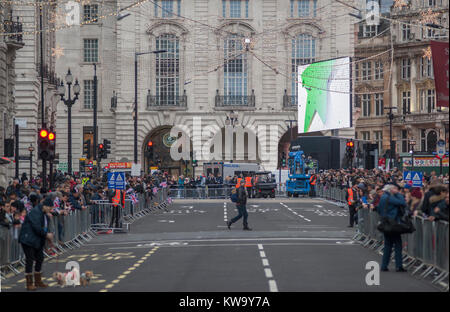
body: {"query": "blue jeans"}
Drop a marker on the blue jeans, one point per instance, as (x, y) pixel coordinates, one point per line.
(242, 213)
(394, 240)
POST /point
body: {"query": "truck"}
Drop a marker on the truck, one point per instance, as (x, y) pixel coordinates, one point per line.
(300, 170)
(264, 184)
(230, 169)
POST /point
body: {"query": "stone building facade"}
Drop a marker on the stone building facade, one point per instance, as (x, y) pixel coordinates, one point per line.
(224, 59)
(407, 82)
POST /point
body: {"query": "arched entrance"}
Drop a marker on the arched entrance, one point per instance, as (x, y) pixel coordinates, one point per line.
(160, 158)
(285, 143)
(431, 141)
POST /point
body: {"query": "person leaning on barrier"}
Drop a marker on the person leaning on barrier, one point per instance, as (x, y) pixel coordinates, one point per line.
(439, 206)
(391, 205)
(32, 238)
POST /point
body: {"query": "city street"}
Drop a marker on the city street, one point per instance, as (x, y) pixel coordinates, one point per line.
(296, 245)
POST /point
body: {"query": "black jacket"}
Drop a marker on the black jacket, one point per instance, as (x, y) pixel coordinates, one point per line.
(33, 231)
(242, 196)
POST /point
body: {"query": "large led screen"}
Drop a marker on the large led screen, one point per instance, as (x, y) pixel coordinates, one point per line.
(324, 95)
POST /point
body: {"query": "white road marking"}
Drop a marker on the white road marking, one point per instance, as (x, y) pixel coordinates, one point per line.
(268, 273)
(265, 262)
(262, 254)
(318, 206)
(241, 244)
(260, 247)
(273, 286)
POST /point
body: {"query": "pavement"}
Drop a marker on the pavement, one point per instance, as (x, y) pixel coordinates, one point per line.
(297, 244)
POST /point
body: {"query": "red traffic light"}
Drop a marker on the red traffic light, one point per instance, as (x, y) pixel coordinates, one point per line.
(51, 136)
(350, 144)
(150, 143)
(43, 133)
(100, 146)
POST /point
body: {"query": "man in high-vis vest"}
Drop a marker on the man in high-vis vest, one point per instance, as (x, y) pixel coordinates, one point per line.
(249, 186)
(116, 201)
(352, 199)
(312, 183)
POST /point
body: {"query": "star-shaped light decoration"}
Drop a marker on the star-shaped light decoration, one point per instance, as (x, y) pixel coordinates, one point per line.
(399, 4)
(427, 53)
(57, 51)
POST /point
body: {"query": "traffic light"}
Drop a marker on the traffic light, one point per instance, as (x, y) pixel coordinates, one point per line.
(149, 150)
(51, 146)
(107, 144)
(43, 144)
(101, 151)
(283, 159)
(350, 150)
(194, 163)
(87, 149)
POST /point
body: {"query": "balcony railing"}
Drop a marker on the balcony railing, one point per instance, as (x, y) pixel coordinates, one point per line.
(235, 100)
(289, 101)
(48, 74)
(14, 29)
(166, 101)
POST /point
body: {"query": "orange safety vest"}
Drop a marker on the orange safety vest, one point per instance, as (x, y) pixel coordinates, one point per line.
(238, 182)
(116, 199)
(312, 180)
(350, 196)
(248, 182)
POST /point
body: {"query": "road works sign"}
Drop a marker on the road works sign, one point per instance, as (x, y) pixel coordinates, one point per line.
(413, 177)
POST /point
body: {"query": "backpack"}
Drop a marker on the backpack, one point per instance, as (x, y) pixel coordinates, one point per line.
(234, 195)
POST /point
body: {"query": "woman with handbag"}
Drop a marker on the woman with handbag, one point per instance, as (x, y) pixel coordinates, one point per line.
(390, 208)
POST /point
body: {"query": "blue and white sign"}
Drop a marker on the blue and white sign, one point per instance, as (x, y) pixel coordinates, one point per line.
(111, 180)
(120, 180)
(440, 149)
(413, 177)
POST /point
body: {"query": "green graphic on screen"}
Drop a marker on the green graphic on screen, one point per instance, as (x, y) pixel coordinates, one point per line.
(315, 79)
(324, 95)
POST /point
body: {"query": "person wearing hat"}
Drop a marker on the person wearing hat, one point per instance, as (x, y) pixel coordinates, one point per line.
(35, 230)
(391, 205)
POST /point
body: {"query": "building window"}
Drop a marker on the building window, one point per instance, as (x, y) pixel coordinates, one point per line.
(427, 100)
(428, 33)
(90, 51)
(406, 102)
(405, 141)
(366, 105)
(303, 52)
(88, 94)
(302, 8)
(366, 70)
(423, 140)
(429, 3)
(235, 68)
(166, 8)
(370, 30)
(235, 8)
(379, 104)
(365, 135)
(167, 70)
(406, 68)
(426, 67)
(378, 70)
(406, 32)
(431, 141)
(90, 13)
(379, 139)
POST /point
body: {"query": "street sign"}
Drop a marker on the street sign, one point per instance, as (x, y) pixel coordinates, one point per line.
(111, 180)
(413, 177)
(120, 180)
(135, 170)
(63, 167)
(440, 149)
(21, 122)
(24, 157)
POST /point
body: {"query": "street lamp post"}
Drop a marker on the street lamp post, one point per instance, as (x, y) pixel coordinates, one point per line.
(412, 142)
(391, 118)
(69, 103)
(31, 150)
(135, 117)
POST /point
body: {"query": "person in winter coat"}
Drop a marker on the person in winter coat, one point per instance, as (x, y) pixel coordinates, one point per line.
(241, 207)
(439, 206)
(391, 205)
(34, 232)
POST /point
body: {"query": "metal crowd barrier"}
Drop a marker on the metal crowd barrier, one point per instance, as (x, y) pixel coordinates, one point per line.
(77, 228)
(218, 191)
(332, 193)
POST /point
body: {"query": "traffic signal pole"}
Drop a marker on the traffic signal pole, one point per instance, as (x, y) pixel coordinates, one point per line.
(95, 112)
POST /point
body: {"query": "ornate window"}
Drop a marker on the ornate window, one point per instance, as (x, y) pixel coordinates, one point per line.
(366, 105)
(406, 68)
(88, 94)
(90, 51)
(366, 70)
(235, 68)
(378, 70)
(167, 70)
(427, 100)
(235, 8)
(379, 104)
(426, 67)
(167, 8)
(90, 12)
(303, 8)
(303, 52)
(406, 102)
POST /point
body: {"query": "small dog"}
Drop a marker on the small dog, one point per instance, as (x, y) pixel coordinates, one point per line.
(68, 278)
(60, 278)
(85, 278)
